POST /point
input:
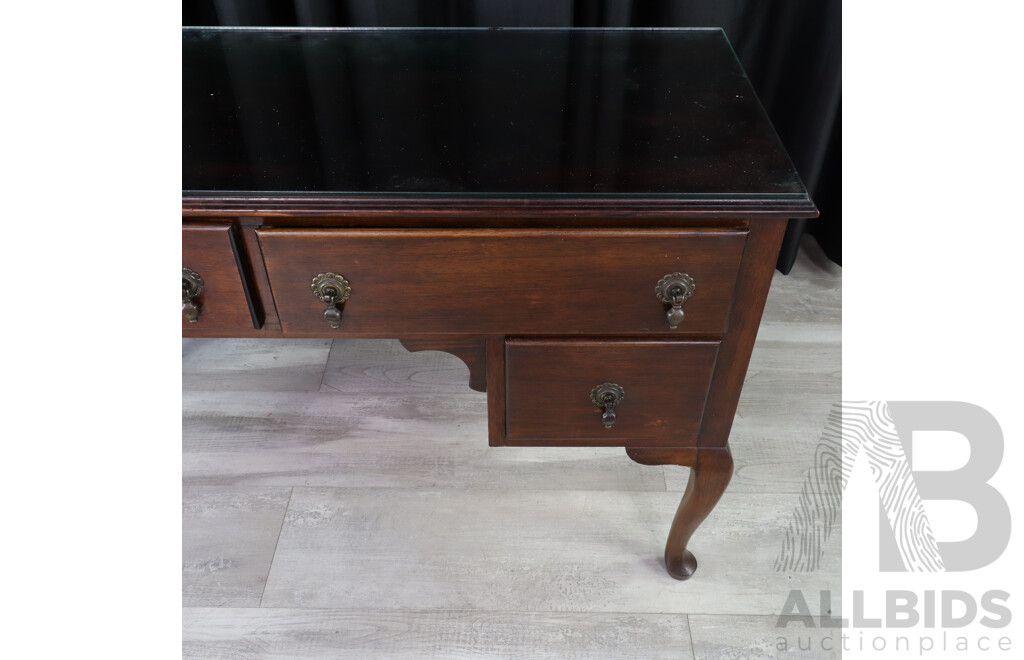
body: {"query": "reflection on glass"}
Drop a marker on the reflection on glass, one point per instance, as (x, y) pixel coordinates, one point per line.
(483, 112)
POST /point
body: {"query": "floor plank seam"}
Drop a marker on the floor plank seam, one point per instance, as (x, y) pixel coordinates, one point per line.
(525, 492)
(363, 610)
(795, 494)
(329, 387)
(277, 543)
(689, 633)
(323, 374)
(664, 480)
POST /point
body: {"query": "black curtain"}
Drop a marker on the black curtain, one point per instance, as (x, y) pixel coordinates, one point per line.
(789, 48)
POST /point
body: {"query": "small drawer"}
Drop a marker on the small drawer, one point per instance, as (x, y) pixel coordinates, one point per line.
(549, 385)
(212, 258)
(502, 281)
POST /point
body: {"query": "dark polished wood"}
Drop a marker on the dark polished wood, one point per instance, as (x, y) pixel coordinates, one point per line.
(752, 286)
(491, 281)
(447, 211)
(496, 391)
(549, 384)
(502, 113)
(258, 270)
(711, 473)
(511, 197)
(226, 302)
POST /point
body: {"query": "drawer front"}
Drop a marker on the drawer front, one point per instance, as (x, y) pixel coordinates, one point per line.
(549, 384)
(225, 301)
(497, 281)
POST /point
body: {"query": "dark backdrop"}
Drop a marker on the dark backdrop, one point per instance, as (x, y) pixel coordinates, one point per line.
(789, 48)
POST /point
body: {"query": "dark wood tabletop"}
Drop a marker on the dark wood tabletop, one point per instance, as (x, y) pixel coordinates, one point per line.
(470, 113)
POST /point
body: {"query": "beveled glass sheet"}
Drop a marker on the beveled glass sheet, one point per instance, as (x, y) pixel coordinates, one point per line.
(475, 112)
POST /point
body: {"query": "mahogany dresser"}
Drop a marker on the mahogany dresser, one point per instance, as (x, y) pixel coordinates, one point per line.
(588, 218)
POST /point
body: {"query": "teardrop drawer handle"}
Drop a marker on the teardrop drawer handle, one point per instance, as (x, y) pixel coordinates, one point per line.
(191, 287)
(674, 290)
(607, 396)
(332, 290)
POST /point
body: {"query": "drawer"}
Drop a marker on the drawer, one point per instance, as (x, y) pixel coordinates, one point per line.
(225, 301)
(549, 385)
(500, 281)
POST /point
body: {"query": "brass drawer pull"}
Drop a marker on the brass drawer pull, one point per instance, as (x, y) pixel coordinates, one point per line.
(332, 290)
(674, 290)
(191, 287)
(607, 396)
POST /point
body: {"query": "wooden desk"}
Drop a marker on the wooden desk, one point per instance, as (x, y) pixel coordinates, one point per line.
(589, 219)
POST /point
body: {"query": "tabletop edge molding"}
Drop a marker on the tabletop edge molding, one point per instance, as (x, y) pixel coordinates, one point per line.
(794, 207)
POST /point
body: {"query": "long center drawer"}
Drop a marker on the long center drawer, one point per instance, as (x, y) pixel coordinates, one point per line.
(502, 281)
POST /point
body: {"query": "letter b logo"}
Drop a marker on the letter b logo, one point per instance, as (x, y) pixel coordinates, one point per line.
(967, 484)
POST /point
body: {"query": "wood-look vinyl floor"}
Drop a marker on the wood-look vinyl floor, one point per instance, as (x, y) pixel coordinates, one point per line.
(340, 501)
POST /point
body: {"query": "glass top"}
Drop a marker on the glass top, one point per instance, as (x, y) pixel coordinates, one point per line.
(476, 112)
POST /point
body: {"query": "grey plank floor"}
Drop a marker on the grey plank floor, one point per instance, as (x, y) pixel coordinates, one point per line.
(340, 501)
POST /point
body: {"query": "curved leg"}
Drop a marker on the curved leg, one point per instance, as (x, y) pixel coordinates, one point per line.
(712, 470)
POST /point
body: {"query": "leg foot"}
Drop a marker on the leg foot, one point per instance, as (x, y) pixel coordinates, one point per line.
(712, 470)
(681, 567)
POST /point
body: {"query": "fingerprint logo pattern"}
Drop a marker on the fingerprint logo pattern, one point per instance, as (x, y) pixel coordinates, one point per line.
(820, 505)
(854, 428)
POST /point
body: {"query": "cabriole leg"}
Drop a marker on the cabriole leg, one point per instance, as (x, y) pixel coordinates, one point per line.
(712, 470)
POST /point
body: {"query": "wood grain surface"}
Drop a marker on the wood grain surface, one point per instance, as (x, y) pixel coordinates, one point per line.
(299, 634)
(502, 281)
(230, 535)
(550, 550)
(550, 381)
(227, 301)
